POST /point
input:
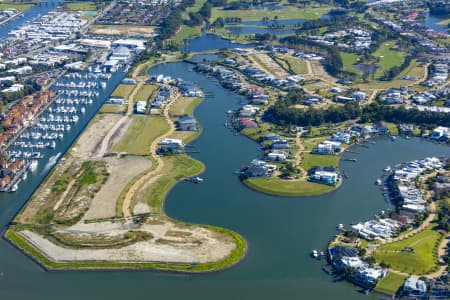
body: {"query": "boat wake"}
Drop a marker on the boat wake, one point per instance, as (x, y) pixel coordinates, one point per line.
(51, 162)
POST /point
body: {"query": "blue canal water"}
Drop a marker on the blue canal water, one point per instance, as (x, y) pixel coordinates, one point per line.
(39, 8)
(432, 20)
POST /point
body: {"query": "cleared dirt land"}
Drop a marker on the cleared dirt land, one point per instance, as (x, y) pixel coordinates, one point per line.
(265, 62)
(168, 243)
(72, 217)
(141, 31)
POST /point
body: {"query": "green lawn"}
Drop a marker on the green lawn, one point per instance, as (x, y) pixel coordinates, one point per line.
(111, 108)
(196, 7)
(310, 160)
(444, 22)
(420, 261)
(291, 12)
(123, 90)
(390, 284)
(275, 186)
(141, 133)
(176, 167)
(298, 66)
(20, 7)
(144, 92)
(393, 129)
(415, 69)
(80, 6)
(185, 106)
(187, 32)
(348, 60)
(388, 58)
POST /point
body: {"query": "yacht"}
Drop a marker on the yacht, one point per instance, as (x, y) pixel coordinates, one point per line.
(14, 188)
(33, 165)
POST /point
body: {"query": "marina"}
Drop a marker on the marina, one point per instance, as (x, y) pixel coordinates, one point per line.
(74, 95)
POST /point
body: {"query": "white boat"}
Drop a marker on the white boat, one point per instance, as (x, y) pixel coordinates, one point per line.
(14, 188)
(340, 226)
(24, 176)
(33, 165)
(315, 254)
(195, 179)
(387, 169)
(378, 182)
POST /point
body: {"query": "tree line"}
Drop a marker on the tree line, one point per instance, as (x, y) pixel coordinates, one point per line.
(281, 113)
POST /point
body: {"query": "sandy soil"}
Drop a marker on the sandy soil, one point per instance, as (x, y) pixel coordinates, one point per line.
(144, 31)
(121, 172)
(269, 65)
(201, 247)
(90, 141)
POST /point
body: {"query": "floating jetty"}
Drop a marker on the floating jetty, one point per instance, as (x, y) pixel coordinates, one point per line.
(194, 179)
(349, 159)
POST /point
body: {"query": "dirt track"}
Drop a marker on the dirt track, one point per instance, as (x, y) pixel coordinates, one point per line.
(160, 163)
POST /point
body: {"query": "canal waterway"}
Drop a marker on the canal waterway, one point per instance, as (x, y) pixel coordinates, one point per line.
(431, 22)
(280, 231)
(40, 8)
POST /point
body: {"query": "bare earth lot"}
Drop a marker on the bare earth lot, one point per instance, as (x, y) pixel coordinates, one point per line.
(156, 239)
(142, 31)
(122, 171)
(196, 245)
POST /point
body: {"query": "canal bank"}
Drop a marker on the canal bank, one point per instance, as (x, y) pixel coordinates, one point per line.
(280, 231)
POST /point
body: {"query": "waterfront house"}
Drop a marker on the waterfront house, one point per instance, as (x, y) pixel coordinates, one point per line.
(439, 132)
(328, 147)
(246, 122)
(383, 228)
(342, 137)
(271, 137)
(280, 144)
(187, 123)
(406, 129)
(439, 289)
(325, 175)
(414, 287)
(171, 146)
(259, 168)
(276, 156)
(367, 276)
